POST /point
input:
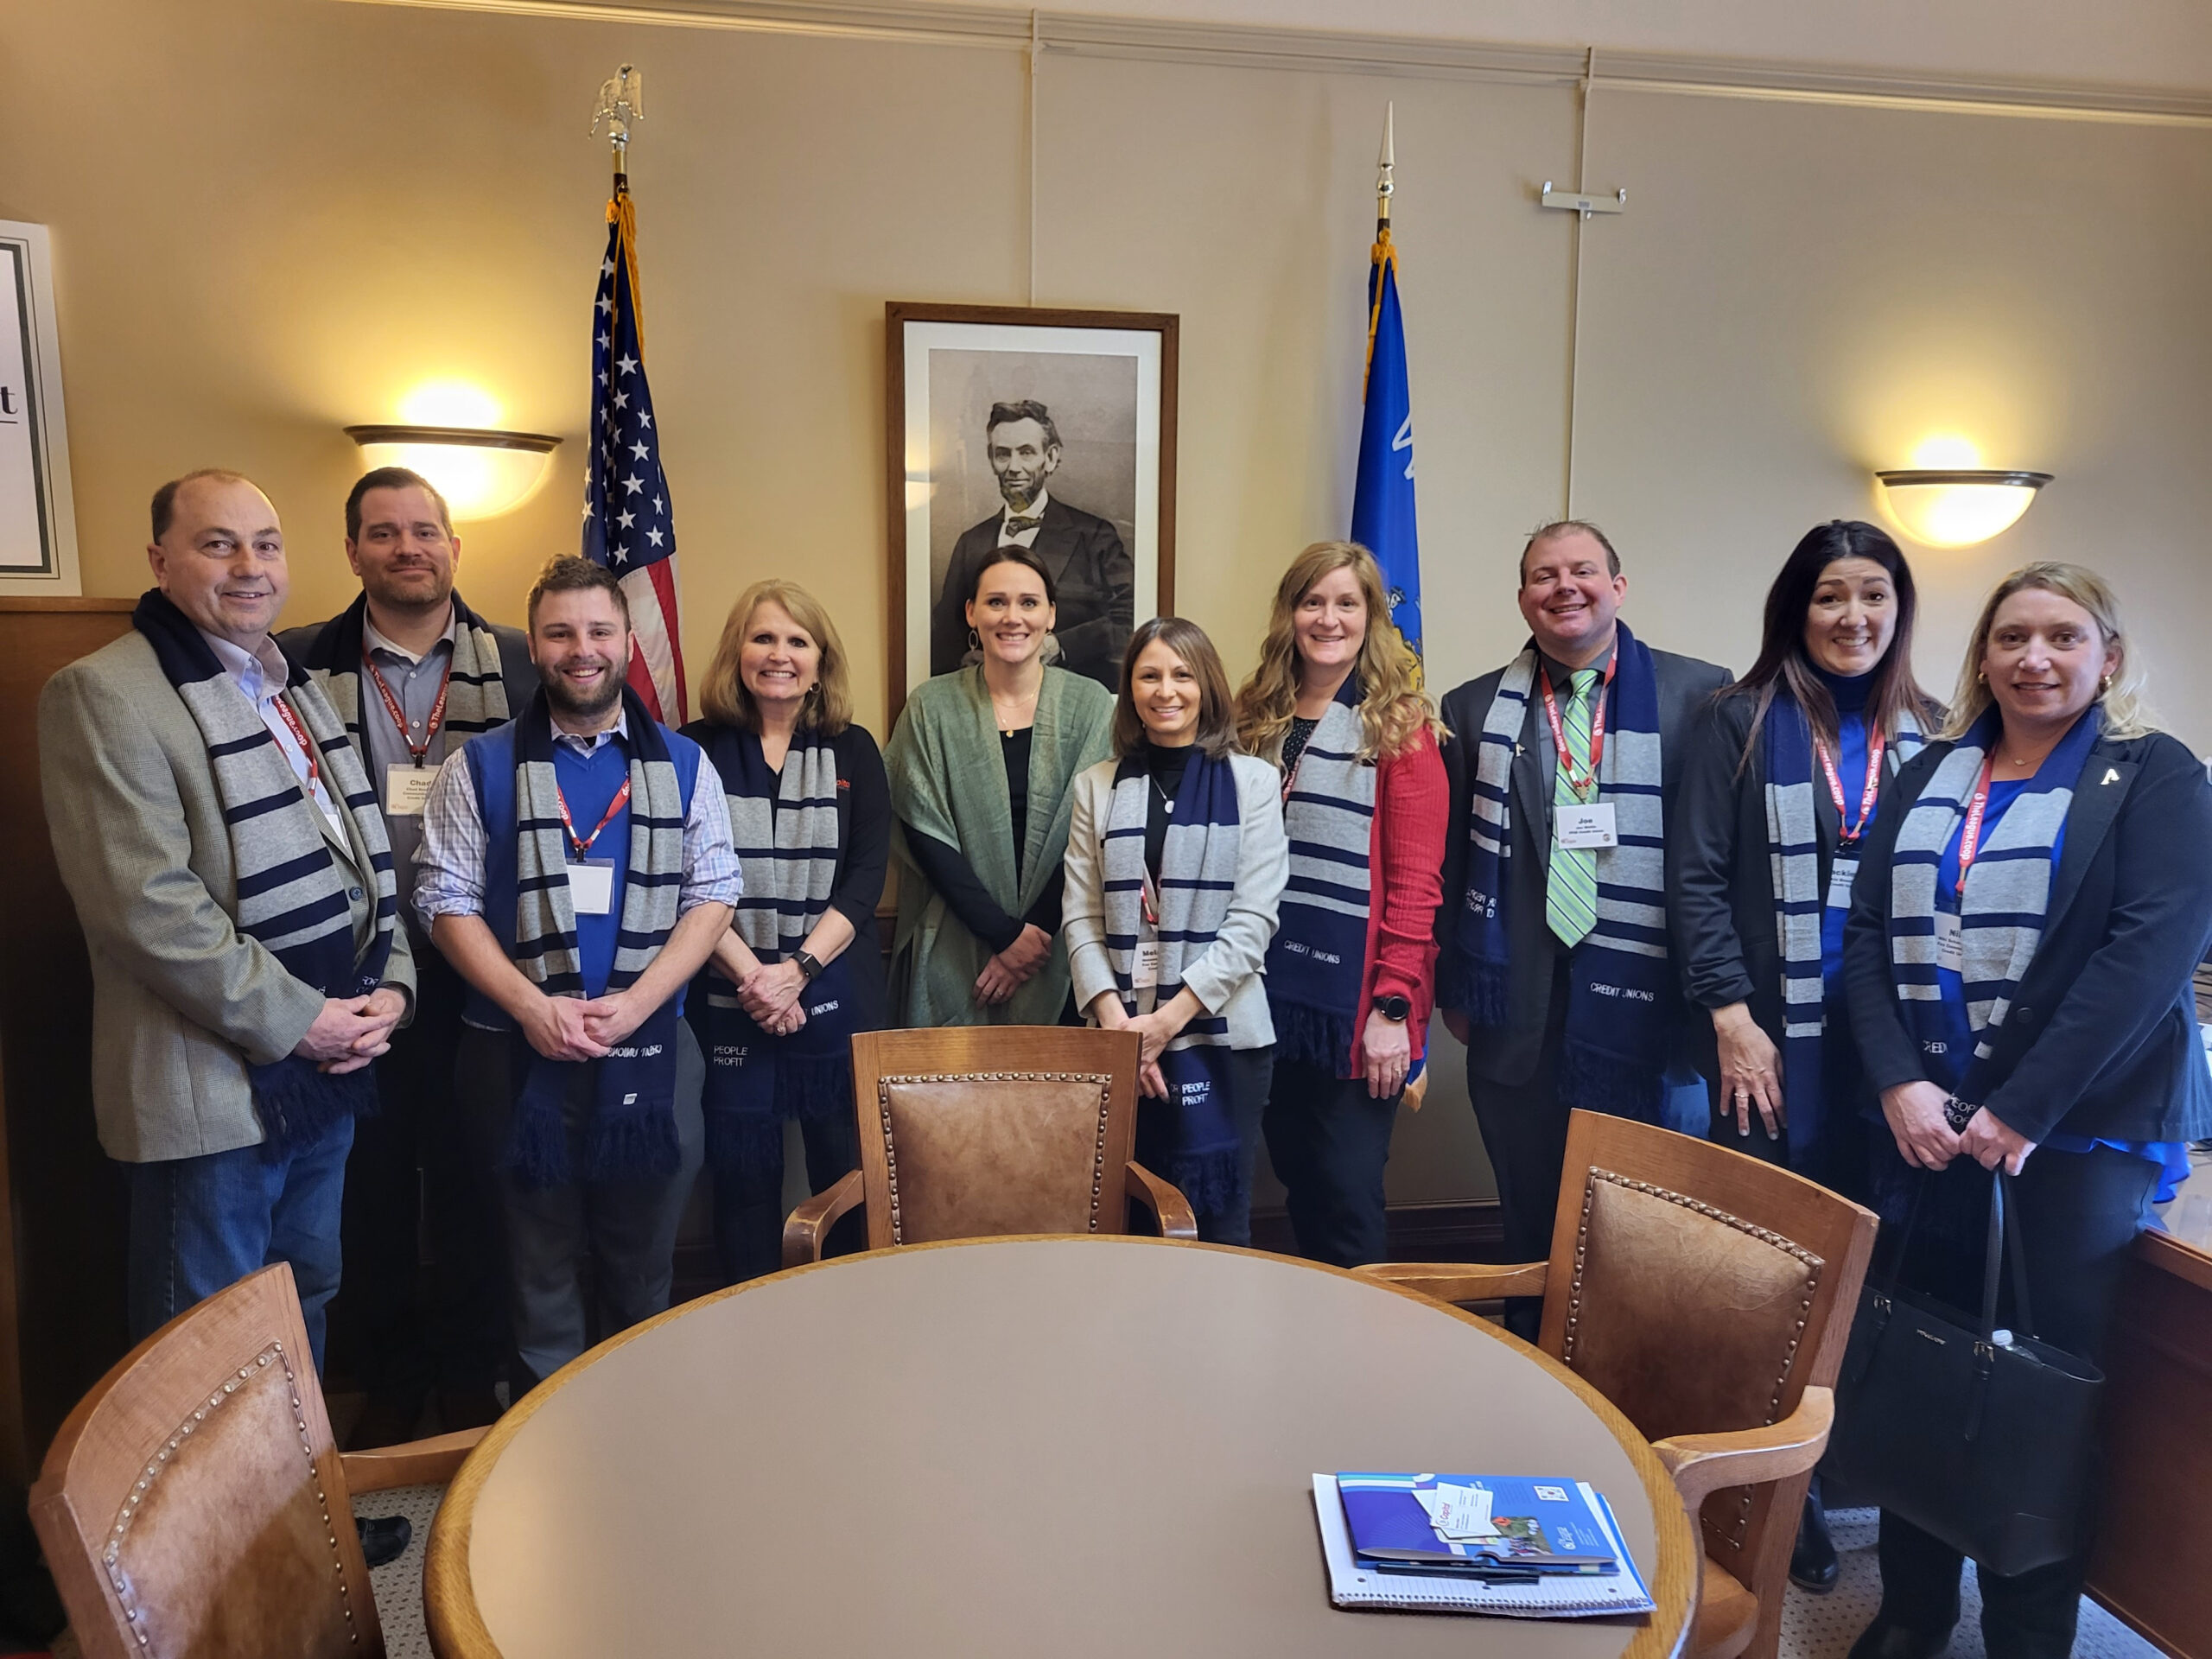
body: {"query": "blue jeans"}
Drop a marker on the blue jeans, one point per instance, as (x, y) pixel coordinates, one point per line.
(199, 1225)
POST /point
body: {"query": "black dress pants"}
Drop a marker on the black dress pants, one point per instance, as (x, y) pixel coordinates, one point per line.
(412, 1164)
(1329, 1141)
(749, 1198)
(2079, 1213)
(1524, 1131)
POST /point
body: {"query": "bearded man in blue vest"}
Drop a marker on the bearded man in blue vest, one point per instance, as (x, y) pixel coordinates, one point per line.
(576, 869)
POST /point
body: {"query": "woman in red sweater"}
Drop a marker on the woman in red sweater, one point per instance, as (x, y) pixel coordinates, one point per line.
(1352, 968)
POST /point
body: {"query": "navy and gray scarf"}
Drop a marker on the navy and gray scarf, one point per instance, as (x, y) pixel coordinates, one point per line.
(476, 695)
(1317, 962)
(632, 1132)
(291, 893)
(1195, 1127)
(786, 829)
(1620, 995)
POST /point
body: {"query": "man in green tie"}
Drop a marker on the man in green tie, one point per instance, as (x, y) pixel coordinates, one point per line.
(1553, 967)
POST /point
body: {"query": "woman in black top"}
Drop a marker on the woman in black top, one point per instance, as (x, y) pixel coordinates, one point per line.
(2033, 900)
(800, 968)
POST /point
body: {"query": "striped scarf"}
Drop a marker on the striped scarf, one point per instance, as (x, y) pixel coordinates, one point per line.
(786, 833)
(632, 1130)
(476, 695)
(1794, 856)
(1317, 960)
(2006, 888)
(1198, 874)
(291, 893)
(1621, 991)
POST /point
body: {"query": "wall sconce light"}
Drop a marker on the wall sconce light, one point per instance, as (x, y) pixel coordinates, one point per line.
(481, 472)
(1958, 506)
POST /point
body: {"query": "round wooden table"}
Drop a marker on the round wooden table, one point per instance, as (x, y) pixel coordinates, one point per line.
(1025, 1447)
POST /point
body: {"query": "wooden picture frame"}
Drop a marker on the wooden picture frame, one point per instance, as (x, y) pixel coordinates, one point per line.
(1105, 381)
(38, 520)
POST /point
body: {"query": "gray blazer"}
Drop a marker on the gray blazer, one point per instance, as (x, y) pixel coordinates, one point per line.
(181, 1002)
(1230, 977)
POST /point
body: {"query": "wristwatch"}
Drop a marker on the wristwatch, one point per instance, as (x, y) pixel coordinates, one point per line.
(1394, 1007)
(807, 965)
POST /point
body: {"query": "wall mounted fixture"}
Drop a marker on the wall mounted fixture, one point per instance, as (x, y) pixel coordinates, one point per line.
(1958, 506)
(481, 472)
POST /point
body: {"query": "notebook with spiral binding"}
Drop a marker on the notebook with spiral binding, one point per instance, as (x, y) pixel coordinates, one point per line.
(1353, 1583)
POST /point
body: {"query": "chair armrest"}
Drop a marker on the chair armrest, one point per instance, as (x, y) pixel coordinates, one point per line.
(1164, 1200)
(807, 1225)
(1471, 1281)
(433, 1462)
(1702, 1464)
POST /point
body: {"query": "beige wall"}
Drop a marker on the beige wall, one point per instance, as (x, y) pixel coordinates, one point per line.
(272, 217)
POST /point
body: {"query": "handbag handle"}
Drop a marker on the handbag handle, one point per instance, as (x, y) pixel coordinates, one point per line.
(2004, 1242)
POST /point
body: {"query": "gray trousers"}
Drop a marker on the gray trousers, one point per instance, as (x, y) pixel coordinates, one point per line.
(626, 1229)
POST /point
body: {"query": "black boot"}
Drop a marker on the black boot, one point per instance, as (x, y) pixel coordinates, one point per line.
(1812, 1563)
(1883, 1640)
(384, 1537)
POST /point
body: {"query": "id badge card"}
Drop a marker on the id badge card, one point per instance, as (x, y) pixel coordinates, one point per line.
(1950, 943)
(591, 887)
(1144, 974)
(1588, 826)
(1842, 874)
(406, 789)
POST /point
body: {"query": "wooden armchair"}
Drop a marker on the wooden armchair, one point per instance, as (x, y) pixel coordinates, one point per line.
(1709, 1296)
(194, 1503)
(974, 1131)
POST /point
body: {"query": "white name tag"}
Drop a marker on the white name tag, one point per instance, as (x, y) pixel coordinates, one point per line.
(1145, 975)
(1585, 826)
(591, 887)
(1950, 943)
(406, 788)
(1842, 874)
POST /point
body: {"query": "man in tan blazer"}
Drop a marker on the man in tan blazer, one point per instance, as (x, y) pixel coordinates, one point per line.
(235, 887)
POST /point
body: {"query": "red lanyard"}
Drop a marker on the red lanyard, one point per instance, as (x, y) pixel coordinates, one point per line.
(1970, 831)
(1852, 831)
(399, 715)
(622, 799)
(300, 732)
(1596, 729)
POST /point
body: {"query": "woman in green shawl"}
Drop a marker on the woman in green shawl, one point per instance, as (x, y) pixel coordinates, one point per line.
(981, 765)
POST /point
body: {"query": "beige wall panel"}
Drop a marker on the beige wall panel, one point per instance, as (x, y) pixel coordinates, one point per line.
(1797, 295)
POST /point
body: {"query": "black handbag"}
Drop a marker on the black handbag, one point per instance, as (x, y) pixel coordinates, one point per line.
(1984, 1438)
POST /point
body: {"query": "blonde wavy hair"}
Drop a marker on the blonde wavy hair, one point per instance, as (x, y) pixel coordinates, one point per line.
(828, 706)
(1393, 711)
(2128, 712)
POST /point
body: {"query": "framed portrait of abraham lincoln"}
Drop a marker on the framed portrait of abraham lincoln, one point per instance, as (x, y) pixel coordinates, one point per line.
(1019, 426)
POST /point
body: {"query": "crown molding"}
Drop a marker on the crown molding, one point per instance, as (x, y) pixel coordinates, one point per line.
(1328, 51)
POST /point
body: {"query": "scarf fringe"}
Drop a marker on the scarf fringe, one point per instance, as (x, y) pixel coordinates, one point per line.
(811, 1090)
(1320, 1038)
(740, 1141)
(536, 1152)
(299, 1105)
(1592, 1078)
(635, 1145)
(1485, 993)
(1213, 1182)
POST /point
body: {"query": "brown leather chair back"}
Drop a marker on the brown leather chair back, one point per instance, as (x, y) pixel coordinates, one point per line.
(193, 1503)
(974, 1131)
(1700, 1291)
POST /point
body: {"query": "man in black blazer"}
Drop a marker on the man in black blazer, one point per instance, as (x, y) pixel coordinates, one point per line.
(1571, 589)
(448, 674)
(1094, 578)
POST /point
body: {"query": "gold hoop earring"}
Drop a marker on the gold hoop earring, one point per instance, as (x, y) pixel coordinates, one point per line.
(2104, 685)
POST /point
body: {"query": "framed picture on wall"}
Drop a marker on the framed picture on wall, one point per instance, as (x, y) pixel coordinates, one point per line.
(1050, 429)
(38, 524)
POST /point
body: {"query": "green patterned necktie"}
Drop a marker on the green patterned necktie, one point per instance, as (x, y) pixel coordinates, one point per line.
(1571, 895)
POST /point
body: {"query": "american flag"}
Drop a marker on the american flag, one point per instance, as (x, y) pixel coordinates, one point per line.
(629, 524)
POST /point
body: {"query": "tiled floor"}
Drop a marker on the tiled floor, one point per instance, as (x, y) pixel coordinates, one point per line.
(1824, 1627)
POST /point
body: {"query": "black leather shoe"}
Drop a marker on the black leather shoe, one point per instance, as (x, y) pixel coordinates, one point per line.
(1812, 1563)
(1883, 1640)
(384, 1537)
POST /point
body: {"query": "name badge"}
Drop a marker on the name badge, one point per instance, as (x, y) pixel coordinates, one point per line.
(591, 887)
(1145, 975)
(1950, 943)
(1842, 874)
(1588, 826)
(406, 788)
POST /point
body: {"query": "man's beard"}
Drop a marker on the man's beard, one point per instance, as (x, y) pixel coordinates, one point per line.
(566, 701)
(1008, 490)
(409, 599)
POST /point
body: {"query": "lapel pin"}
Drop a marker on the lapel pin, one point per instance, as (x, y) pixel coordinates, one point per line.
(2112, 775)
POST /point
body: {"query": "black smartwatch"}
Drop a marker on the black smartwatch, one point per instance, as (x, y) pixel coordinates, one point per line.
(807, 965)
(1394, 1008)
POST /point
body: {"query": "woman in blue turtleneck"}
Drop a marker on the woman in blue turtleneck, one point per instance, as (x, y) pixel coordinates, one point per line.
(1779, 783)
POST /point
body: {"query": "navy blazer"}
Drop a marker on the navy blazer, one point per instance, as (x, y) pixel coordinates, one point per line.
(1094, 577)
(2100, 1040)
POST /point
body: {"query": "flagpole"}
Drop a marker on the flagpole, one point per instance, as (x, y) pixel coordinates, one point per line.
(621, 101)
(1384, 164)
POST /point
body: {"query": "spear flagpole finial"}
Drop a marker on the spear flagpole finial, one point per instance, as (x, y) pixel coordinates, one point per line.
(622, 102)
(1383, 164)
